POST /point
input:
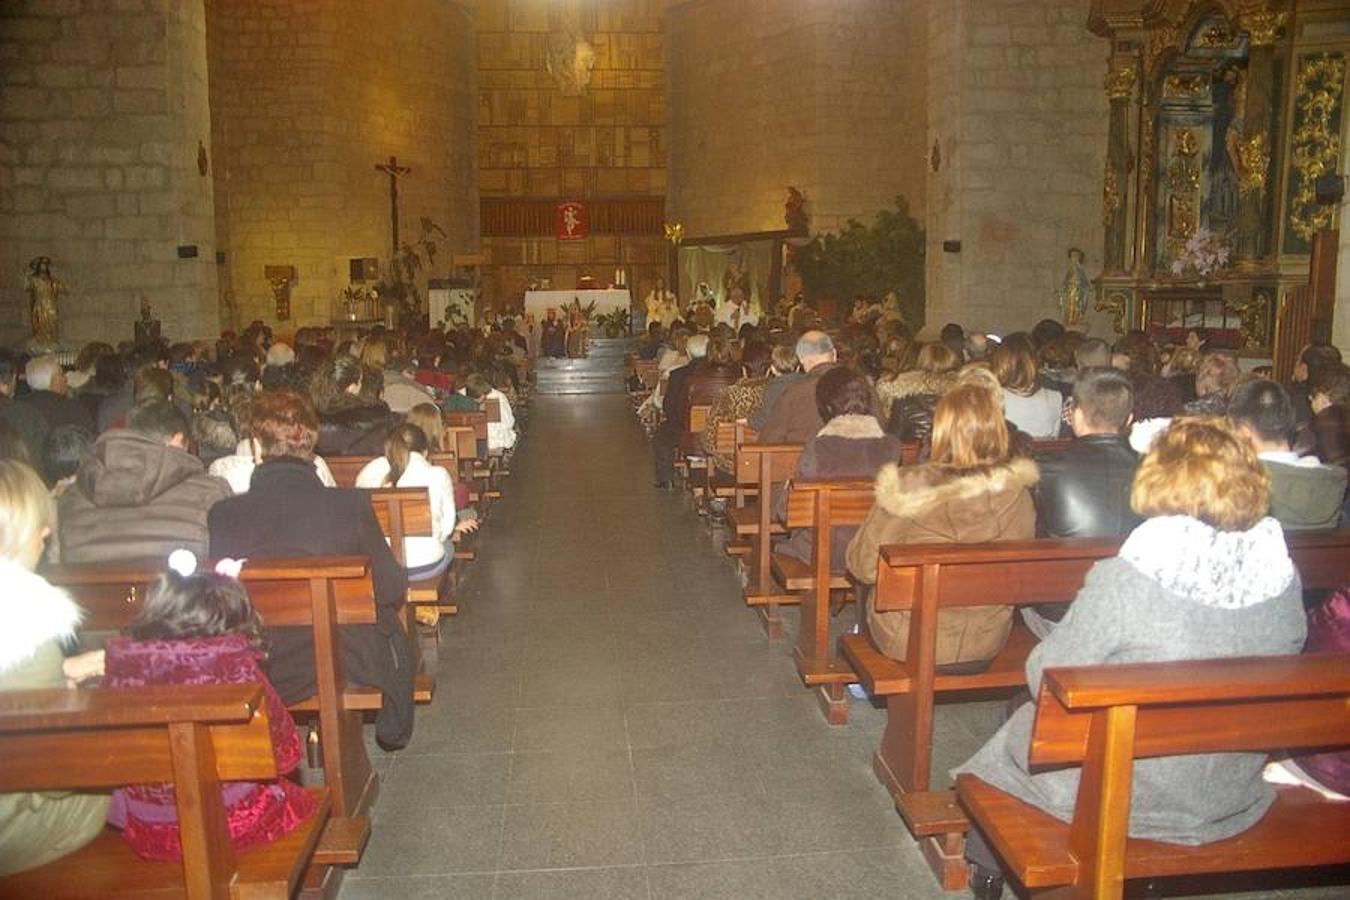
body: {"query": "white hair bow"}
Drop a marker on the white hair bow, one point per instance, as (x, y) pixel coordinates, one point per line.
(184, 562)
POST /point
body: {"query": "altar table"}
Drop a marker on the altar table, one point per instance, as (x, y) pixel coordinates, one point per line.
(538, 302)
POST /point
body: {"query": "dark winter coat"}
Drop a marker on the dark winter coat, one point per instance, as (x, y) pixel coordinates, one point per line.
(288, 512)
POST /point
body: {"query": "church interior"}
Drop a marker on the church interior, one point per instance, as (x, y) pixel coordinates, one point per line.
(461, 336)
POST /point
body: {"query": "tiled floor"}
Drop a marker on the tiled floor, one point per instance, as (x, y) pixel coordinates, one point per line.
(611, 723)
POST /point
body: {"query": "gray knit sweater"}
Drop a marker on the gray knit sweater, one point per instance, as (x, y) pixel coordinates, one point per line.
(1180, 595)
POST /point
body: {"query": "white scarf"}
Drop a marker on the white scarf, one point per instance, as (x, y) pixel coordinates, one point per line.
(32, 612)
(1219, 569)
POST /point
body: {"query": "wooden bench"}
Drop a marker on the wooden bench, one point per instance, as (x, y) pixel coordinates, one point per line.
(195, 737)
(689, 457)
(404, 513)
(346, 468)
(1103, 718)
(821, 506)
(925, 578)
(760, 467)
(476, 462)
(320, 593)
(718, 484)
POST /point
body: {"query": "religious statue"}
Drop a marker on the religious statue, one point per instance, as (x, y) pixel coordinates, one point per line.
(43, 292)
(147, 327)
(1074, 291)
(794, 211)
(661, 305)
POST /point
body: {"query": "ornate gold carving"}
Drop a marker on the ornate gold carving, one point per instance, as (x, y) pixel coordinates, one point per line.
(1316, 145)
(1165, 37)
(1117, 303)
(1262, 26)
(1183, 183)
(675, 233)
(1110, 195)
(1254, 311)
(1120, 79)
(1185, 86)
(1218, 36)
(1253, 162)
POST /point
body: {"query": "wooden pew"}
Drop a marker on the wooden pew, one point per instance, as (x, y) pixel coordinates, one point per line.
(476, 463)
(1106, 717)
(346, 468)
(689, 457)
(821, 506)
(924, 578)
(716, 483)
(320, 593)
(404, 513)
(760, 466)
(193, 736)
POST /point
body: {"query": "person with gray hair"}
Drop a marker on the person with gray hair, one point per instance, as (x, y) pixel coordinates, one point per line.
(1092, 353)
(675, 405)
(49, 395)
(794, 417)
(785, 370)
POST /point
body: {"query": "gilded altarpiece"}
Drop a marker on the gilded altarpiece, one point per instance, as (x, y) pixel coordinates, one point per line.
(1223, 115)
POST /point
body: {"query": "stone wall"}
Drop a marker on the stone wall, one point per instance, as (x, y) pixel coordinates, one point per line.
(102, 109)
(824, 96)
(307, 97)
(541, 141)
(1016, 103)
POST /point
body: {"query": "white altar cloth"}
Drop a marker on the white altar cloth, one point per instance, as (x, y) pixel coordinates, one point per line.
(538, 302)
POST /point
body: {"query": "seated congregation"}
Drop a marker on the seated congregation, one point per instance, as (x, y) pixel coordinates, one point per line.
(1119, 538)
(338, 484)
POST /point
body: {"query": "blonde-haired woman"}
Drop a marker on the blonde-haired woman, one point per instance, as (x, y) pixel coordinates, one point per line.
(36, 621)
(971, 490)
(1207, 575)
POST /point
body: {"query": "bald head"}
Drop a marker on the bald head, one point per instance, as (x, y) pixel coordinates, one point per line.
(815, 348)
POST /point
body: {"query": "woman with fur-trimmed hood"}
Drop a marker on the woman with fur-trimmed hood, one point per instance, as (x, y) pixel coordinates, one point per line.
(972, 490)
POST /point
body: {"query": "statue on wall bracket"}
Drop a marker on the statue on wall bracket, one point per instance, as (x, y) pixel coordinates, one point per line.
(1074, 290)
(44, 290)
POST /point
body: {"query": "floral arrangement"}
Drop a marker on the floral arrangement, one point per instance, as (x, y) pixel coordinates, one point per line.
(614, 323)
(1204, 254)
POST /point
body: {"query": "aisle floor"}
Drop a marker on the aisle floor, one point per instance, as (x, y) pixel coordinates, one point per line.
(611, 723)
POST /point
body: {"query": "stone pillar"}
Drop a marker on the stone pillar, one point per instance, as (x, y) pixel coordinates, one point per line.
(1120, 79)
(104, 165)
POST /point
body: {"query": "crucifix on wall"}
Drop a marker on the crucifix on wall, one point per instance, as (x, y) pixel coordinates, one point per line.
(393, 170)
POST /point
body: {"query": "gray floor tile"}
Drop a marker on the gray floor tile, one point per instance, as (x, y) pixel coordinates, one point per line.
(569, 835)
(578, 775)
(628, 883)
(570, 728)
(412, 841)
(427, 887)
(438, 780)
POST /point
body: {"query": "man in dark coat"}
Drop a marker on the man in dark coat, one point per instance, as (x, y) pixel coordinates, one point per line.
(24, 418)
(795, 418)
(50, 396)
(288, 512)
(1084, 489)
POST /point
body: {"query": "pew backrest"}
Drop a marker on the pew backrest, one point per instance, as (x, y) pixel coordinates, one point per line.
(193, 737)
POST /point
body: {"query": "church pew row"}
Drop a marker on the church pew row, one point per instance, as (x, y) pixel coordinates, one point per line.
(1104, 718)
(320, 593)
(193, 737)
(925, 578)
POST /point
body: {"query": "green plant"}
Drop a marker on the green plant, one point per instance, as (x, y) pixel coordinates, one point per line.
(614, 323)
(400, 286)
(869, 260)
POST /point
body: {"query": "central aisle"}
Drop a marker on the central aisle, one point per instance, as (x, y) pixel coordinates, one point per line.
(610, 721)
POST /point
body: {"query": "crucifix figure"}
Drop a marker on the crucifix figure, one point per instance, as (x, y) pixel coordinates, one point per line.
(393, 170)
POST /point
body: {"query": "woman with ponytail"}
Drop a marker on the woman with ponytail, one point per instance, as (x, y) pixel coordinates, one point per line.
(405, 464)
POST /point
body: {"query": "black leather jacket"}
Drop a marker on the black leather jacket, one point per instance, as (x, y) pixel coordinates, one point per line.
(1085, 489)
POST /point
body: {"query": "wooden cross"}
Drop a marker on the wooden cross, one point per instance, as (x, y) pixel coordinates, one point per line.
(393, 170)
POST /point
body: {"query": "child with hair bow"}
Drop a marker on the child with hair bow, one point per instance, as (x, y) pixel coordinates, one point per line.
(201, 628)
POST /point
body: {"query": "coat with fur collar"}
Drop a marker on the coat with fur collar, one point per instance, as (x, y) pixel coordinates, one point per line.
(929, 504)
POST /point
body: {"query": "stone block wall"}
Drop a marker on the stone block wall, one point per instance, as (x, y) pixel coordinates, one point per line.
(825, 96)
(307, 96)
(102, 109)
(538, 140)
(1016, 103)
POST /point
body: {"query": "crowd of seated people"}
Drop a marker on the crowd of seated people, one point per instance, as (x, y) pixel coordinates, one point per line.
(1177, 451)
(155, 452)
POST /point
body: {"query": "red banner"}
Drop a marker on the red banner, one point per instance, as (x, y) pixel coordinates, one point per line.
(570, 222)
